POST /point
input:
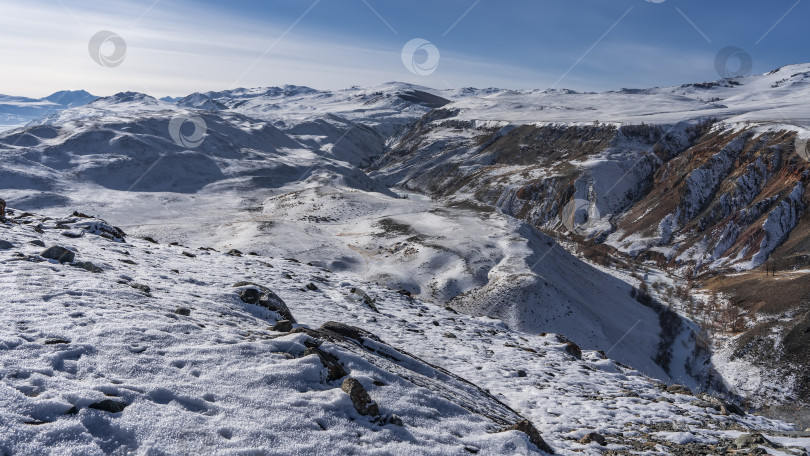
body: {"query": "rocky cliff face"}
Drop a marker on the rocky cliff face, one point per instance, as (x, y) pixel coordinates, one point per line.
(698, 196)
(710, 201)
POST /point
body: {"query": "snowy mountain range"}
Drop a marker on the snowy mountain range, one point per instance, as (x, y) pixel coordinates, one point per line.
(435, 224)
(17, 111)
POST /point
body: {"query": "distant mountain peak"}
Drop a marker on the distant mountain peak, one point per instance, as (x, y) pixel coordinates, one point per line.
(128, 97)
(71, 98)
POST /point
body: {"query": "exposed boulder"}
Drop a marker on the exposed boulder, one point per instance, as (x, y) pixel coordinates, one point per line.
(273, 302)
(283, 326)
(264, 297)
(573, 350)
(528, 428)
(360, 399)
(250, 296)
(351, 332)
(141, 287)
(59, 254)
(750, 441)
(334, 370)
(5, 245)
(110, 406)
(593, 437)
(679, 389)
(87, 266)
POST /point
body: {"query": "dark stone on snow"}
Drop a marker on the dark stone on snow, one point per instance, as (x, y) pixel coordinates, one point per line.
(189, 254)
(593, 437)
(250, 295)
(5, 245)
(522, 373)
(312, 287)
(282, 326)
(573, 350)
(59, 254)
(350, 332)
(273, 302)
(184, 311)
(705, 404)
(562, 339)
(393, 419)
(751, 440)
(233, 252)
(528, 428)
(73, 234)
(264, 297)
(72, 411)
(87, 266)
(109, 406)
(148, 239)
(450, 336)
(679, 389)
(141, 287)
(726, 408)
(731, 408)
(334, 370)
(360, 399)
(37, 243)
(56, 341)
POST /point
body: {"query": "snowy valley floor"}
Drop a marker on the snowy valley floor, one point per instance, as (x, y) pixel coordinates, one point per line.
(156, 353)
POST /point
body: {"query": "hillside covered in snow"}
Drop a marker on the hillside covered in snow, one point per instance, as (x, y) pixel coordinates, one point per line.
(115, 344)
(494, 270)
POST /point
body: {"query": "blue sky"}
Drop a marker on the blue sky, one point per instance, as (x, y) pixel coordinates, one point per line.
(177, 47)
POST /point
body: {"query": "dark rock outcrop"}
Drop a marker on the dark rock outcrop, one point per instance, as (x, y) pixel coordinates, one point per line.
(360, 398)
(528, 428)
(59, 254)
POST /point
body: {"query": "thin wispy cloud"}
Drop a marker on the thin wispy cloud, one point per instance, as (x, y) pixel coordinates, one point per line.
(174, 48)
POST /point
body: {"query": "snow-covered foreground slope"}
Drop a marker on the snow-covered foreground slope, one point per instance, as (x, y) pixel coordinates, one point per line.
(151, 349)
